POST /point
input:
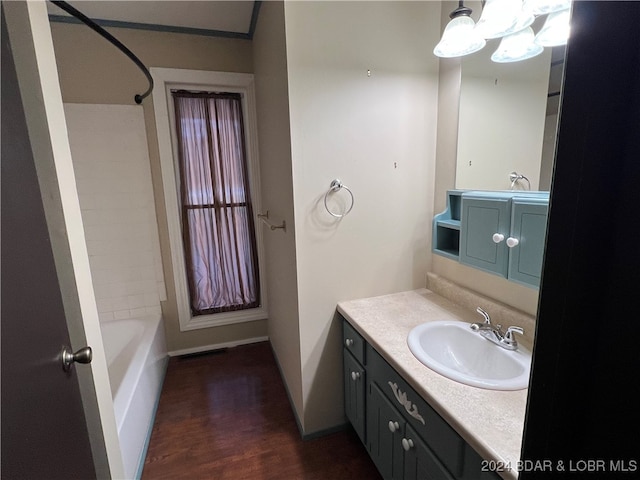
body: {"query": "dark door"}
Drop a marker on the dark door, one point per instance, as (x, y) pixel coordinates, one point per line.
(582, 411)
(44, 432)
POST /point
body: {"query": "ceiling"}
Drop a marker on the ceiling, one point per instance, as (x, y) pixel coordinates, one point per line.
(201, 17)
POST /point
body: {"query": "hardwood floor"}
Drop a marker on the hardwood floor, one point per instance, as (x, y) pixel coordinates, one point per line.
(227, 416)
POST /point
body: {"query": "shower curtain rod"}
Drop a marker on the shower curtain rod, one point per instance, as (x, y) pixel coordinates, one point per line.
(91, 24)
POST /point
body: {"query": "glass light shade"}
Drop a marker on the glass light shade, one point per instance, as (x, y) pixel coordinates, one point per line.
(498, 18)
(555, 30)
(542, 7)
(524, 20)
(459, 38)
(517, 46)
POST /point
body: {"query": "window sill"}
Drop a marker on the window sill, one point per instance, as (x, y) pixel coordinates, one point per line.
(220, 319)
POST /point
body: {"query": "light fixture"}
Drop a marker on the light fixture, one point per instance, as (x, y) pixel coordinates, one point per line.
(459, 37)
(517, 46)
(502, 17)
(542, 7)
(555, 30)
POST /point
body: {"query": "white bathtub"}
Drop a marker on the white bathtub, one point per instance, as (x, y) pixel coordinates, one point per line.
(137, 359)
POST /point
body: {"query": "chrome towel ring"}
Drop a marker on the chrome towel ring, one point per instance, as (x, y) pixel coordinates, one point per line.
(336, 186)
(515, 177)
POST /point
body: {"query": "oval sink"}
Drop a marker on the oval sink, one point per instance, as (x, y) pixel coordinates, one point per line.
(452, 349)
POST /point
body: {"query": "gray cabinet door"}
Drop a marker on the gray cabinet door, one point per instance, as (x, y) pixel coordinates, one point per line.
(528, 227)
(385, 429)
(482, 218)
(419, 461)
(354, 394)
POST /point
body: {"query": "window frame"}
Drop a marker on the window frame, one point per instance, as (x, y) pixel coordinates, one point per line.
(165, 80)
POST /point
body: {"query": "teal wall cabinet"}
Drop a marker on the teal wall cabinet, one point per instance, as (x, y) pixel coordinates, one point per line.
(499, 232)
(527, 238)
(485, 226)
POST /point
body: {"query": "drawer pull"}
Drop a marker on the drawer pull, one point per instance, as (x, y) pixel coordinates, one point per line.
(409, 406)
(348, 342)
(393, 426)
(407, 444)
(355, 376)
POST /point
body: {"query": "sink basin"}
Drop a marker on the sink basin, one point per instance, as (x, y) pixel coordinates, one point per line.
(452, 349)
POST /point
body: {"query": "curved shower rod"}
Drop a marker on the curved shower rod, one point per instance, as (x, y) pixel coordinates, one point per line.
(91, 24)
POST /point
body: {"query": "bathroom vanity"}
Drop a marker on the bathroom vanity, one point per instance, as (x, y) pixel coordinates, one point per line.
(414, 422)
(499, 232)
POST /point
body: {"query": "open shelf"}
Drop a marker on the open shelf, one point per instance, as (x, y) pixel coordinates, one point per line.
(446, 227)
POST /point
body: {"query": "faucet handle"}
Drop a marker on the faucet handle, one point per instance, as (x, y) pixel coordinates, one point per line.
(487, 319)
(509, 337)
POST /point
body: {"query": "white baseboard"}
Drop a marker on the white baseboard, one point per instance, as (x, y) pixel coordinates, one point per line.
(217, 346)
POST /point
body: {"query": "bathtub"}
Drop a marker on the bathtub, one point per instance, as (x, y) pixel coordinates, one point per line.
(137, 359)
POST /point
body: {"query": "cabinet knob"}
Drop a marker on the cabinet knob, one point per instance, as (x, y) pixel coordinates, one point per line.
(512, 242)
(407, 444)
(393, 426)
(497, 237)
(348, 342)
(355, 376)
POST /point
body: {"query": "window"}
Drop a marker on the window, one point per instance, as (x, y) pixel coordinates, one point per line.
(219, 214)
(217, 228)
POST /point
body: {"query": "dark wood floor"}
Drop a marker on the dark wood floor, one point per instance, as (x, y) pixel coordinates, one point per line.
(227, 416)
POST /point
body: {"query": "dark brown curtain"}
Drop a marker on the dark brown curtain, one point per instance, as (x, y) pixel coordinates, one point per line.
(218, 232)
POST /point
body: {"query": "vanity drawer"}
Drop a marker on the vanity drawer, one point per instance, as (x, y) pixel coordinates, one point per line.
(353, 342)
(448, 446)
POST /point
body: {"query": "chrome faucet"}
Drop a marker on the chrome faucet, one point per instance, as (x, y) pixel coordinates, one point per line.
(495, 334)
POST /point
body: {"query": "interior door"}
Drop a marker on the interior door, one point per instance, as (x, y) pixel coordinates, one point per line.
(44, 432)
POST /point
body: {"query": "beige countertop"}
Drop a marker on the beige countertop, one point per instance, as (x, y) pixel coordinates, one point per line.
(490, 421)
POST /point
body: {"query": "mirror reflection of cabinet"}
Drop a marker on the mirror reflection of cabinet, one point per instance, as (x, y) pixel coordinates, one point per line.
(499, 232)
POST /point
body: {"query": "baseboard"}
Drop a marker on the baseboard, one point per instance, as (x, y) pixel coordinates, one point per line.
(286, 389)
(304, 436)
(217, 346)
(324, 432)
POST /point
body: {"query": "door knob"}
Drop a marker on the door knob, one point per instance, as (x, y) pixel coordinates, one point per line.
(393, 426)
(512, 242)
(355, 376)
(84, 355)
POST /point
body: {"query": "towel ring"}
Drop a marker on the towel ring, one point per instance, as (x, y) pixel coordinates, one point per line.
(337, 185)
(515, 177)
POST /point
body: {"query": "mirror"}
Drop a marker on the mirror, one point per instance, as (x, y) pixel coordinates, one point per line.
(508, 119)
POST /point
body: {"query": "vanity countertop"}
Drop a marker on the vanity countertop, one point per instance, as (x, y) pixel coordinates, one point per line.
(490, 421)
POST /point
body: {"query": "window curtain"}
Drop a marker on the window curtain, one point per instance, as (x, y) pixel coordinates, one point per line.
(217, 217)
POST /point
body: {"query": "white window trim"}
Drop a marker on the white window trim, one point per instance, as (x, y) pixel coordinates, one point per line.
(166, 79)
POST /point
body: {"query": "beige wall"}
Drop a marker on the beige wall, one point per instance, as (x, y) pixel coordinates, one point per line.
(517, 296)
(270, 68)
(92, 70)
(501, 120)
(377, 134)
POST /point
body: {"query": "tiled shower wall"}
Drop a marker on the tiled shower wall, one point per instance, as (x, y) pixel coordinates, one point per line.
(111, 163)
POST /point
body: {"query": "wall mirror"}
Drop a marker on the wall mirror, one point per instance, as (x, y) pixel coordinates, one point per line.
(508, 118)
